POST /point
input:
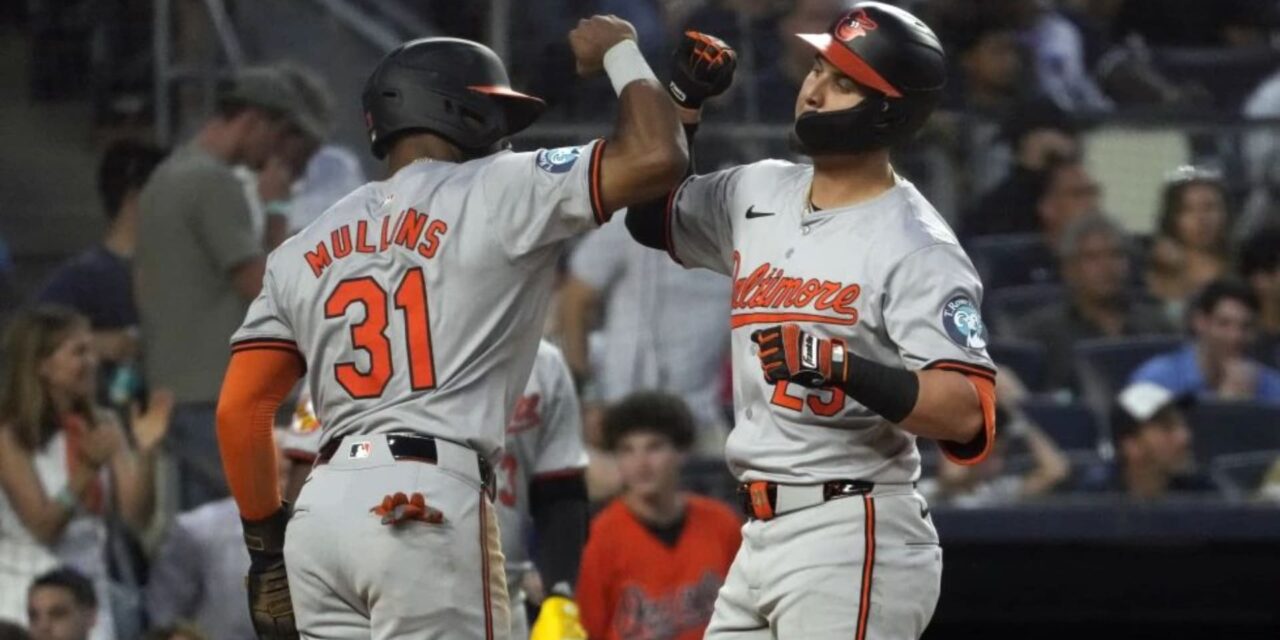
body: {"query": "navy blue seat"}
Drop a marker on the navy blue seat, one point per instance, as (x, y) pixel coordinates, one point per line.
(1225, 428)
(1027, 359)
(1071, 426)
(1012, 260)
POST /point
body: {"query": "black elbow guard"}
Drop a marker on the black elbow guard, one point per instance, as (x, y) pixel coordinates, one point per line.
(646, 225)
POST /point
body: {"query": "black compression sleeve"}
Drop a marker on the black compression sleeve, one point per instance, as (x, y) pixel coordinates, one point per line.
(645, 221)
(888, 391)
(559, 509)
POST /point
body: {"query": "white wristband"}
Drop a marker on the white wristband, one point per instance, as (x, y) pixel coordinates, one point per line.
(624, 63)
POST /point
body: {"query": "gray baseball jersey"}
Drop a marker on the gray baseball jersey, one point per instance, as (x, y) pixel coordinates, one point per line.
(544, 438)
(887, 276)
(417, 302)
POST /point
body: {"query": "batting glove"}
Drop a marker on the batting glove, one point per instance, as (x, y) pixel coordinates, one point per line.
(788, 353)
(270, 605)
(558, 620)
(702, 68)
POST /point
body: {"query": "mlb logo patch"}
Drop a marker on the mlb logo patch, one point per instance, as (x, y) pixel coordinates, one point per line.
(361, 450)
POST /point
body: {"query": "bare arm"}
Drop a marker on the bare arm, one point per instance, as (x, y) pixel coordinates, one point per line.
(577, 310)
(134, 470)
(947, 407)
(1052, 467)
(43, 517)
(646, 155)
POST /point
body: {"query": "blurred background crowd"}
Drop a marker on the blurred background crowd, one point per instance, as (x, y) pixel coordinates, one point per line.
(1111, 166)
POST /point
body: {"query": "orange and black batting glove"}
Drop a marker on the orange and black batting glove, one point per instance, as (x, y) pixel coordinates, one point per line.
(702, 68)
(789, 353)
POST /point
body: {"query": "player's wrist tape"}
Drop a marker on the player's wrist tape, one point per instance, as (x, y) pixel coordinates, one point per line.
(888, 391)
(266, 536)
(625, 64)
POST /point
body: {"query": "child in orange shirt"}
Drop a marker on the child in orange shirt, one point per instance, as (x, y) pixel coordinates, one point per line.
(656, 556)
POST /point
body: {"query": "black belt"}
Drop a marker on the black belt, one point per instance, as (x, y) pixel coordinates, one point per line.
(412, 448)
(759, 499)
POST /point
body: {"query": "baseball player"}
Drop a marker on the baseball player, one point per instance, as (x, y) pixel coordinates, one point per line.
(414, 307)
(539, 480)
(853, 296)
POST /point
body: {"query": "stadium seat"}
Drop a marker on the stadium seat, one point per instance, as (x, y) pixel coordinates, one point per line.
(1104, 365)
(1072, 426)
(1224, 428)
(1027, 359)
(1013, 259)
(1003, 307)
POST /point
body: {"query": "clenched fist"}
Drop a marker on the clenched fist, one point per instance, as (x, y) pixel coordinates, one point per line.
(702, 68)
(593, 37)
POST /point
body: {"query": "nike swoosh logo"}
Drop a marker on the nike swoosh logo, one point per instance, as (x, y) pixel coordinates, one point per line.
(752, 213)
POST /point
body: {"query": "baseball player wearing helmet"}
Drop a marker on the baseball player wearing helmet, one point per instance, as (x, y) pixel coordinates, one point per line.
(855, 331)
(414, 308)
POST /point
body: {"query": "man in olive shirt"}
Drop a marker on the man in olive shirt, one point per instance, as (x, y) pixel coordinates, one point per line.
(200, 261)
(1094, 262)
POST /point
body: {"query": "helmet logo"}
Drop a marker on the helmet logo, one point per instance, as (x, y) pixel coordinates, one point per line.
(854, 26)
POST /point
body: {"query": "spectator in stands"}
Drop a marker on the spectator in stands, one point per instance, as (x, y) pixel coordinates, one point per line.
(1261, 159)
(990, 64)
(198, 572)
(1216, 362)
(777, 85)
(200, 262)
(656, 556)
(60, 455)
(279, 184)
(1093, 258)
(62, 605)
(1058, 59)
(1190, 248)
(628, 284)
(1153, 444)
(1260, 269)
(1042, 138)
(991, 482)
(99, 282)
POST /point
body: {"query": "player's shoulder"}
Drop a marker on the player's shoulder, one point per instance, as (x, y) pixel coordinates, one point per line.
(712, 511)
(915, 225)
(766, 174)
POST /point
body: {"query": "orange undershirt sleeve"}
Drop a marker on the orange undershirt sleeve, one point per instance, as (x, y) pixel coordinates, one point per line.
(257, 381)
(976, 450)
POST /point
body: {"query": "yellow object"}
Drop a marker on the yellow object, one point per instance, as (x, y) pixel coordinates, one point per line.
(558, 620)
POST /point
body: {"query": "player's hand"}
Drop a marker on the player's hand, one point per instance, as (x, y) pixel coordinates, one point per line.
(791, 354)
(593, 37)
(702, 67)
(270, 604)
(558, 620)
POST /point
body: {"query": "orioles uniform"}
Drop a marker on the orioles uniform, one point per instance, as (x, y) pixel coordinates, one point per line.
(397, 300)
(871, 561)
(544, 437)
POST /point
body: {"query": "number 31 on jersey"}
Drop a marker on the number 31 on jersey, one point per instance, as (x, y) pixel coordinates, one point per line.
(370, 335)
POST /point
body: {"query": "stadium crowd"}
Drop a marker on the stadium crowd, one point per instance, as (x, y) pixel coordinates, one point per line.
(1130, 362)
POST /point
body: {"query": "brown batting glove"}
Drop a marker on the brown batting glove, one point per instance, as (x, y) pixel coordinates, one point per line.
(791, 354)
(270, 605)
(702, 68)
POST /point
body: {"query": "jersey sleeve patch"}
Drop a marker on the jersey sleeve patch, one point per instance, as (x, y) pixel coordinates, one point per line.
(963, 323)
(559, 160)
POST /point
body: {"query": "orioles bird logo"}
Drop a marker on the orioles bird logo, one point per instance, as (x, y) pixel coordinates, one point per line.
(855, 26)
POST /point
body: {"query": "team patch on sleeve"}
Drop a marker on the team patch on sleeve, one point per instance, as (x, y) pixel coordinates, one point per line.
(558, 160)
(963, 322)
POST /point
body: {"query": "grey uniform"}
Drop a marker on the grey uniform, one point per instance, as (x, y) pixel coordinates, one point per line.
(417, 304)
(544, 438)
(888, 277)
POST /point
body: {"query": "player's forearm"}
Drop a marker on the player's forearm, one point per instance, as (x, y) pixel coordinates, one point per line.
(947, 408)
(647, 154)
(256, 382)
(577, 302)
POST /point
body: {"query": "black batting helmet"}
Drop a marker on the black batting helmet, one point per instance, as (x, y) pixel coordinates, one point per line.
(454, 88)
(900, 64)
